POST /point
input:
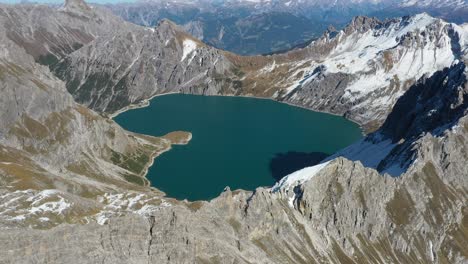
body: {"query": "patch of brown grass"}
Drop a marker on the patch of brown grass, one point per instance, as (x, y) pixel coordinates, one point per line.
(178, 137)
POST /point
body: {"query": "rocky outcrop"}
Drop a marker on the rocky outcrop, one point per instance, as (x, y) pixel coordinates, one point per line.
(430, 106)
(48, 33)
(134, 65)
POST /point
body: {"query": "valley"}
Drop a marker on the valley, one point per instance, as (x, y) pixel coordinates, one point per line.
(263, 27)
(72, 180)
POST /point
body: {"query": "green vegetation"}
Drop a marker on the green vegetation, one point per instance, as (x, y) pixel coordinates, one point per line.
(135, 179)
(238, 72)
(135, 163)
(48, 60)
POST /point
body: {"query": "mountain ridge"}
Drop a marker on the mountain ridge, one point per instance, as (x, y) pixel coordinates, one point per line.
(233, 25)
(265, 76)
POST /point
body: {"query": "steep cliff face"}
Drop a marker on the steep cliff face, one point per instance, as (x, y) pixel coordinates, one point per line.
(359, 72)
(430, 106)
(49, 142)
(135, 64)
(48, 34)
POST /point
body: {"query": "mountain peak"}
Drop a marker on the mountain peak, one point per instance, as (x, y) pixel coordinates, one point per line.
(167, 23)
(76, 5)
(364, 22)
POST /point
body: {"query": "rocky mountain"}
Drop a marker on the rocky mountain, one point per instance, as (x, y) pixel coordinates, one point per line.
(133, 65)
(260, 27)
(359, 72)
(49, 142)
(370, 64)
(451, 10)
(436, 3)
(235, 28)
(71, 180)
(344, 212)
(49, 35)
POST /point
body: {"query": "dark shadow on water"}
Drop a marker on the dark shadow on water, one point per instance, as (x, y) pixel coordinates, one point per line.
(285, 163)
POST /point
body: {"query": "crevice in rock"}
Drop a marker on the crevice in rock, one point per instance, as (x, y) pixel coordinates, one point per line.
(150, 241)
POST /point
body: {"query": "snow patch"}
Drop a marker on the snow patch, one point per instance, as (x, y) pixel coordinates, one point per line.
(57, 207)
(189, 47)
(269, 68)
(123, 203)
(370, 154)
(298, 177)
(28, 205)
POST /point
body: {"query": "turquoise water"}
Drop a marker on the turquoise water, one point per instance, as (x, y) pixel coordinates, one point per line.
(238, 142)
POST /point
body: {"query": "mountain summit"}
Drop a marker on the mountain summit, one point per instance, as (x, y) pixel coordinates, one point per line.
(76, 5)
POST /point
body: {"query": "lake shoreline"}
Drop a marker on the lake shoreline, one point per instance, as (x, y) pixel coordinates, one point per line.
(142, 104)
(146, 103)
(156, 154)
(293, 105)
(237, 138)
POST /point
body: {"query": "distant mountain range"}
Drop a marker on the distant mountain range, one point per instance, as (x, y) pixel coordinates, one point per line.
(263, 26)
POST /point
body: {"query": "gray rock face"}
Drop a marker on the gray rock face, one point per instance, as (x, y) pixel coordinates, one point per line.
(48, 34)
(76, 174)
(136, 64)
(260, 27)
(430, 106)
(359, 72)
(370, 64)
(49, 142)
(345, 213)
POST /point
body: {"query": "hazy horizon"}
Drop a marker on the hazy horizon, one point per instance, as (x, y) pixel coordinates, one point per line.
(62, 1)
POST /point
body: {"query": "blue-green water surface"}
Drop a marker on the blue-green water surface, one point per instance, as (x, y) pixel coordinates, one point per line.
(238, 142)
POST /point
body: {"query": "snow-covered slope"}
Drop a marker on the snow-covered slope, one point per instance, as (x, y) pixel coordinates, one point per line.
(296, 178)
(367, 66)
(435, 3)
(401, 52)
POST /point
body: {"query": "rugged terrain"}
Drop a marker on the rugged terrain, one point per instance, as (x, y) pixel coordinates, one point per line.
(53, 149)
(71, 180)
(358, 72)
(258, 27)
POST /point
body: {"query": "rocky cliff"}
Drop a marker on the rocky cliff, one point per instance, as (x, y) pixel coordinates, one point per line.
(52, 147)
(359, 72)
(71, 180)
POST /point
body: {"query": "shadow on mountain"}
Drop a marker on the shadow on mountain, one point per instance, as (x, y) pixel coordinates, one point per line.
(438, 101)
(430, 106)
(285, 163)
